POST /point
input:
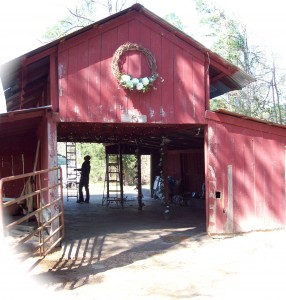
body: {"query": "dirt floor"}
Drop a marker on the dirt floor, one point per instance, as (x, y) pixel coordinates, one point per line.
(115, 253)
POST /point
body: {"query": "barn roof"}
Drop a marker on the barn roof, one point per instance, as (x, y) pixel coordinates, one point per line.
(224, 76)
(22, 122)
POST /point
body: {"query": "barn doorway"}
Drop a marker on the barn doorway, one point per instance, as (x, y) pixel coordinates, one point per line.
(71, 156)
(177, 152)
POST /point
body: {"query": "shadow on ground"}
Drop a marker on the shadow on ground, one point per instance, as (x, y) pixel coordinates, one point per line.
(100, 238)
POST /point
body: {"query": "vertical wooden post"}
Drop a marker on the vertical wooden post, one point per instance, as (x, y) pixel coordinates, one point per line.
(53, 89)
(107, 174)
(2, 233)
(165, 177)
(207, 81)
(164, 174)
(22, 85)
(139, 185)
(120, 173)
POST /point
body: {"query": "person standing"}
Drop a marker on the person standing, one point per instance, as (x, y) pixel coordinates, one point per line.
(84, 180)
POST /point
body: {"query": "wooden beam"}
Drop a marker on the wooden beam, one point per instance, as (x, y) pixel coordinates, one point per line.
(36, 57)
(217, 78)
(139, 184)
(54, 95)
(120, 172)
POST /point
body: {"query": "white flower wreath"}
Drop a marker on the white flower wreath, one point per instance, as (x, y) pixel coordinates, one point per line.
(126, 80)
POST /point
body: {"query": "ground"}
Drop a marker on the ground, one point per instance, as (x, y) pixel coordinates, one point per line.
(130, 254)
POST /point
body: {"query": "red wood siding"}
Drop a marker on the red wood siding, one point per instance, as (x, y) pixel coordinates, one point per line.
(193, 171)
(247, 167)
(17, 156)
(188, 167)
(89, 92)
(174, 166)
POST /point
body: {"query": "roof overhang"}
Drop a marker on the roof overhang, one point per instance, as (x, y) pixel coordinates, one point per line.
(227, 83)
(21, 122)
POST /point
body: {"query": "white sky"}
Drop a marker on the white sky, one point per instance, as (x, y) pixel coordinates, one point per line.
(23, 22)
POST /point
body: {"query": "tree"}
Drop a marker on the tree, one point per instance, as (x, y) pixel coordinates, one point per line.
(277, 92)
(84, 14)
(89, 11)
(97, 153)
(112, 6)
(175, 21)
(230, 40)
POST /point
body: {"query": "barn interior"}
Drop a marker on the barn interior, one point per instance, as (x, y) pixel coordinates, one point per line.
(176, 157)
(149, 139)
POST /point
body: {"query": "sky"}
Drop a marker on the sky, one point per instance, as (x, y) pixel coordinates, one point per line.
(23, 23)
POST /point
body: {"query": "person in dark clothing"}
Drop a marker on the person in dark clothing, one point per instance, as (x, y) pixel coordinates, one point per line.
(84, 180)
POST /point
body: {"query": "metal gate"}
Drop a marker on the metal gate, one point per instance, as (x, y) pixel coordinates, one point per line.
(40, 226)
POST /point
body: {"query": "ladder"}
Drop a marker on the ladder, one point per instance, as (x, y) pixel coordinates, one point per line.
(113, 184)
(72, 182)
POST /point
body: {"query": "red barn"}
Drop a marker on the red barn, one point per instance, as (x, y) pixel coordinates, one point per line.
(72, 90)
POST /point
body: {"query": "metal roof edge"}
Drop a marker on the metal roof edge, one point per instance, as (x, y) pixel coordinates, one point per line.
(242, 78)
(214, 115)
(32, 111)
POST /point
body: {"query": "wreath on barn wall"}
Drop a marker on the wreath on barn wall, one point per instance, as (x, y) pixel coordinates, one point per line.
(127, 81)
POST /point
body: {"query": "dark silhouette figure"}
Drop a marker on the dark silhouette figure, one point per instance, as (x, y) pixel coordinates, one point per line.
(84, 180)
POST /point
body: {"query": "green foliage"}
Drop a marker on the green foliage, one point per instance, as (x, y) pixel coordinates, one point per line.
(129, 167)
(97, 162)
(218, 103)
(82, 15)
(228, 36)
(173, 19)
(230, 40)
